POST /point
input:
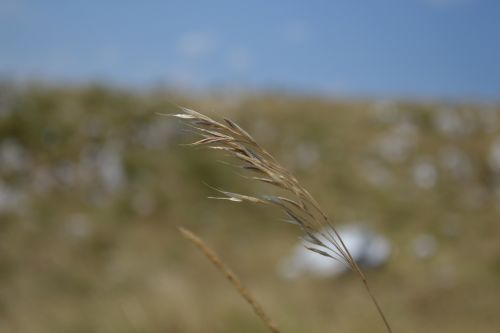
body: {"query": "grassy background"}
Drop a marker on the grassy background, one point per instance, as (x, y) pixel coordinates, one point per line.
(94, 183)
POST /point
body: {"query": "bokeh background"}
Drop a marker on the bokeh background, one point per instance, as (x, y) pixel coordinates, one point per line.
(387, 111)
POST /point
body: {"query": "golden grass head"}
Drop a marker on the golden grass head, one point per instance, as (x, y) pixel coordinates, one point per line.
(298, 204)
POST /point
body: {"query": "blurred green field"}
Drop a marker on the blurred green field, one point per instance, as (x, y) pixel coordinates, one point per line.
(94, 183)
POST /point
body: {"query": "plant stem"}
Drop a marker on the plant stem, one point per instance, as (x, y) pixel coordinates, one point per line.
(379, 309)
(233, 278)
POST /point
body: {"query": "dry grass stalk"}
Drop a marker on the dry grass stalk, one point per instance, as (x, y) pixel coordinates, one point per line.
(233, 278)
(300, 207)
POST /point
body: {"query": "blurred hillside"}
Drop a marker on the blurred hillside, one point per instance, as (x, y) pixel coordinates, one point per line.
(94, 182)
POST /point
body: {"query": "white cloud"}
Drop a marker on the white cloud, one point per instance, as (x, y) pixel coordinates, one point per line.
(240, 59)
(17, 11)
(297, 32)
(108, 55)
(197, 45)
(183, 77)
(448, 3)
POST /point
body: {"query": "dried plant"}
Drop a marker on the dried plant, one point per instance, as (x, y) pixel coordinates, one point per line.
(298, 205)
(233, 278)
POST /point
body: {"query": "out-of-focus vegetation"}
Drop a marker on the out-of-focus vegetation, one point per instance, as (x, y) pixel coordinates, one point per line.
(94, 182)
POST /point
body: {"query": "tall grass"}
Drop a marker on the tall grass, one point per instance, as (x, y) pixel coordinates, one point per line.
(297, 203)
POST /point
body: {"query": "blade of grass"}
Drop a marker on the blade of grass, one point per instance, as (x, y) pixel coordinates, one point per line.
(232, 277)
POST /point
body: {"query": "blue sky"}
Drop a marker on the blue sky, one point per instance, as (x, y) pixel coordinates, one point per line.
(386, 48)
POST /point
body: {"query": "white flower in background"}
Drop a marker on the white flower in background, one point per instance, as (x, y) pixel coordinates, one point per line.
(367, 248)
(78, 226)
(143, 203)
(307, 155)
(490, 119)
(424, 173)
(494, 156)
(424, 246)
(451, 122)
(396, 145)
(376, 173)
(385, 112)
(110, 167)
(12, 156)
(456, 162)
(10, 199)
